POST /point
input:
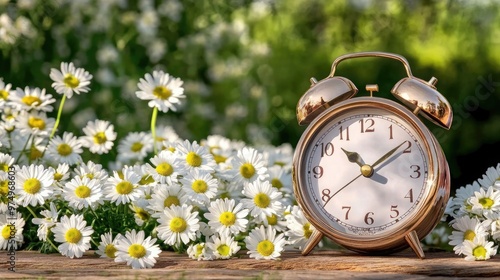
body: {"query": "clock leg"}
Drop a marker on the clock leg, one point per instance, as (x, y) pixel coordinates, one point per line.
(414, 242)
(314, 239)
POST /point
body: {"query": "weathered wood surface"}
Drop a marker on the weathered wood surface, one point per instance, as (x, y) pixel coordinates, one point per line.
(318, 265)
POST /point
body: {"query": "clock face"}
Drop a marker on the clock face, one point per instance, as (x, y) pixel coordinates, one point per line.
(365, 172)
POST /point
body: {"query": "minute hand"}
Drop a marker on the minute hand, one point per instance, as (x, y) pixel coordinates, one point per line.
(387, 155)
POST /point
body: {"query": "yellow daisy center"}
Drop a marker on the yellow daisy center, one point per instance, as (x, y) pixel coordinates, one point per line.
(35, 153)
(171, 200)
(146, 179)
(199, 186)
(64, 149)
(100, 138)
(6, 232)
(265, 248)
(275, 182)
(262, 200)
(58, 176)
(136, 147)
(172, 149)
(35, 122)
(199, 249)
(4, 187)
(247, 170)
(110, 251)
(272, 220)
(71, 81)
(193, 159)
(142, 214)
(486, 202)
(82, 191)
(219, 158)
(223, 250)
(227, 218)
(164, 169)
(124, 187)
(4, 167)
(73, 235)
(120, 174)
(307, 230)
(90, 175)
(137, 251)
(4, 94)
(30, 100)
(162, 92)
(469, 235)
(479, 252)
(178, 225)
(32, 186)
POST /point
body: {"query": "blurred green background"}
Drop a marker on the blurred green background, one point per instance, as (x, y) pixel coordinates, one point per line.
(246, 63)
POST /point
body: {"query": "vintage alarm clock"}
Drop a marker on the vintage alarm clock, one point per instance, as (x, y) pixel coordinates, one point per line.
(367, 172)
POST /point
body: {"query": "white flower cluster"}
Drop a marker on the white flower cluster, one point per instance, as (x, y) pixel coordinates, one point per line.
(476, 217)
(209, 198)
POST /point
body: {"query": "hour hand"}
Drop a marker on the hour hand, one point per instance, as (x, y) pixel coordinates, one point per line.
(354, 157)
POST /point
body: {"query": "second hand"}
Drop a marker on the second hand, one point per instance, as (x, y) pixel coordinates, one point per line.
(330, 197)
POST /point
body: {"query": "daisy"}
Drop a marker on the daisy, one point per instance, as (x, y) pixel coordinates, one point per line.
(461, 205)
(466, 228)
(33, 185)
(263, 244)
(223, 246)
(135, 146)
(164, 167)
(26, 148)
(485, 201)
(165, 133)
(299, 229)
(107, 246)
(199, 251)
(31, 99)
(92, 170)
(165, 196)
(6, 161)
(224, 217)
(83, 193)
(99, 136)
(47, 222)
(5, 93)
(282, 181)
(281, 156)
(123, 189)
(276, 221)
(11, 229)
(248, 167)
(178, 224)
(493, 220)
(479, 249)
(137, 251)
(61, 174)
(74, 235)
(4, 192)
(163, 90)
(65, 149)
(141, 215)
(261, 199)
(147, 179)
(200, 186)
(34, 123)
(491, 176)
(219, 146)
(70, 79)
(194, 156)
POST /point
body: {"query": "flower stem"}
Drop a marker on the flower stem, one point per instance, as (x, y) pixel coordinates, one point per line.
(59, 112)
(52, 244)
(31, 211)
(153, 128)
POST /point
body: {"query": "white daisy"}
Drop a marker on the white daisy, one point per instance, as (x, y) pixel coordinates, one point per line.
(485, 201)
(491, 176)
(248, 167)
(165, 196)
(70, 79)
(83, 193)
(200, 186)
(163, 90)
(35, 123)
(299, 228)
(6, 161)
(135, 146)
(147, 179)
(165, 133)
(47, 222)
(281, 156)
(31, 99)
(25, 148)
(263, 243)
(223, 246)
(194, 156)
(178, 224)
(137, 251)
(92, 170)
(74, 235)
(493, 220)
(164, 167)
(123, 189)
(224, 217)
(479, 249)
(99, 136)
(466, 228)
(33, 185)
(276, 221)
(65, 149)
(199, 251)
(282, 181)
(5, 93)
(139, 207)
(219, 146)
(61, 175)
(11, 229)
(107, 246)
(4, 192)
(261, 199)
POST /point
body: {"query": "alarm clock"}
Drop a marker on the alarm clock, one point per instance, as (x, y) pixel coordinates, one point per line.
(367, 172)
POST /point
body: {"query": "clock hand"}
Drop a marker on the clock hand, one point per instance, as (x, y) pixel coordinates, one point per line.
(354, 157)
(387, 155)
(330, 197)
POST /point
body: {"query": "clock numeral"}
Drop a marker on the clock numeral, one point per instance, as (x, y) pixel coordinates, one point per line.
(409, 195)
(347, 212)
(342, 131)
(325, 195)
(390, 132)
(416, 172)
(368, 219)
(395, 212)
(369, 122)
(408, 148)
(327, 149)
(318, 171)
